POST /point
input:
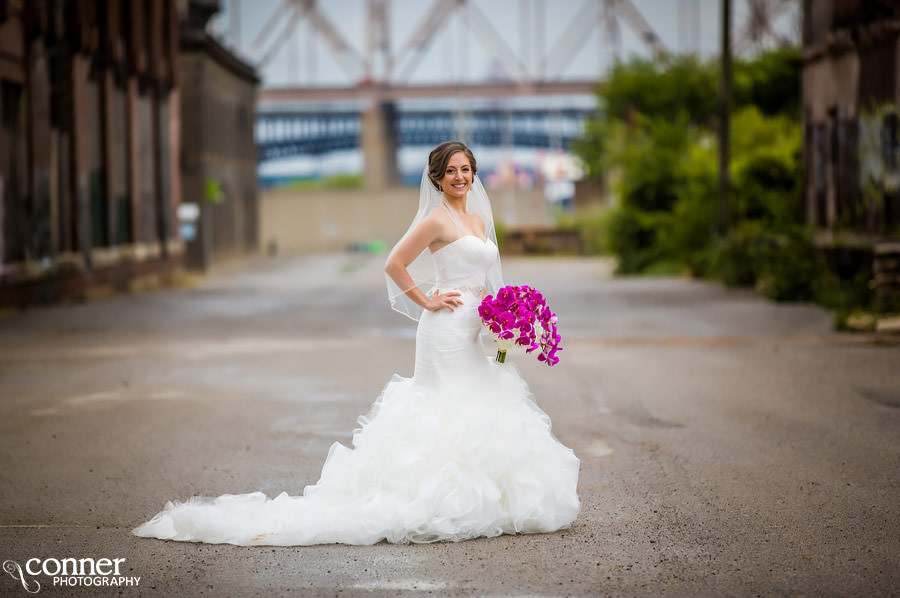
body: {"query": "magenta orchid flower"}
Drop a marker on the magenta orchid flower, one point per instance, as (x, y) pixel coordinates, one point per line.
(519, 315)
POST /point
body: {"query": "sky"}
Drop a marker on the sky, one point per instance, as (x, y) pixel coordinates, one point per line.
(457, 52)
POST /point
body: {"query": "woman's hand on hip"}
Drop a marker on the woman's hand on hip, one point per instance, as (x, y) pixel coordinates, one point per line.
(447, 300)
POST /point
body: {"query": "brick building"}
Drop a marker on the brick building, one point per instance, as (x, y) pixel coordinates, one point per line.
(219, 158)
(851, 103)
(89, 128)
(95, 152)
(851, 95)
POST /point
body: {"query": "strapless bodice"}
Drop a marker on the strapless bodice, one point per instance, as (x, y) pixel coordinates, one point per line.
(463, 262)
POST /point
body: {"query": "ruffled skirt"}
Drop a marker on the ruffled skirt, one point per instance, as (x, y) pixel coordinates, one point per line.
(473, 458)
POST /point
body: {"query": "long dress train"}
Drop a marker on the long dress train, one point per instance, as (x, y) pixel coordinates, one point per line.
(457, 451)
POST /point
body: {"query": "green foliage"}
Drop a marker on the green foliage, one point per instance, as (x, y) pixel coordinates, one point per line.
(655, 134)
(782, 266)
(651, 162)
(679, 88)
(666, 89)
(337, 181)
(735, 259)
(342, 181)
(212, 191)
(767, 170)
(770, 82)
(668, 195)
(848, 297)
(632, 235)
(789, 268)
(695, 211)
(593, 147)
(500, 231)
(677, 85)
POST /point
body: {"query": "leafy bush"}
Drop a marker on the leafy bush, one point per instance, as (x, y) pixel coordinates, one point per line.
(782, 266)
(789, 269)
(845, 285)
(770, 82)
(736, 258)
(632, 236)
(694, 214)
(766, 190)
(668, 196)
(655, 135)
(666, 89)
(651, 163)
(766, 169)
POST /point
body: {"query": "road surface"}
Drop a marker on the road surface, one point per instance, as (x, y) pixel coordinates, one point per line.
(729, 446)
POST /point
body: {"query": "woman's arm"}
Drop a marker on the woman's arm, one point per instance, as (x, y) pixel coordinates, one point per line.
(427, 232)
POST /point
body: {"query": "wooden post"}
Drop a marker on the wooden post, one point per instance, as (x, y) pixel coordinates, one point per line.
(724, 118)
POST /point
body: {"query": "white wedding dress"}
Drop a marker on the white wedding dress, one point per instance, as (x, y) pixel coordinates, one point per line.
(457, 451)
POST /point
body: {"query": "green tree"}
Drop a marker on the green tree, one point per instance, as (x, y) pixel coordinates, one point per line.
(770, 82)
(665, 89)
(656, 130)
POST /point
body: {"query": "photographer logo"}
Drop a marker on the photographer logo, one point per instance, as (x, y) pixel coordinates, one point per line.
(69, 572)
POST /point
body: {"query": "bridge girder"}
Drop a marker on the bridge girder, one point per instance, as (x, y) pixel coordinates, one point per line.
(284, 133)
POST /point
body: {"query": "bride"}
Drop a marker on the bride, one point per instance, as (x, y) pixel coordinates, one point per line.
(457, 451)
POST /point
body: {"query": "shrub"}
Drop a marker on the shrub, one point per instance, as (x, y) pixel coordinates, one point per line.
(632, 236)
(654, 132)
(789, 268)
(694, 214)
(735, 259)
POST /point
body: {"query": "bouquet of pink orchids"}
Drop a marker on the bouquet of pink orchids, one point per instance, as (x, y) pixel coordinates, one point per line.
(519, 316)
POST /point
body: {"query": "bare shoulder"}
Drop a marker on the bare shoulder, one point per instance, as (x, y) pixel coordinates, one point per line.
(436, 227)
(441, 224)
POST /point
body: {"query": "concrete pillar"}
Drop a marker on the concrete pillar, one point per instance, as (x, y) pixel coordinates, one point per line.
(37, 216)
(174, 171)
(132, 153)
(379, 146)
(157, 167)
(80, 179)
(110, 153)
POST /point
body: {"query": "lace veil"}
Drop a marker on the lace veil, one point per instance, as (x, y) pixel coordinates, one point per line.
(422, 268)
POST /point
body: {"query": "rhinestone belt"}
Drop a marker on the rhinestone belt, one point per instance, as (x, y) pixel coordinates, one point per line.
(475, 290)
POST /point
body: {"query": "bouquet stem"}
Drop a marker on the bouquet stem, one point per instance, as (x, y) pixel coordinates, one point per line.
(501, 356)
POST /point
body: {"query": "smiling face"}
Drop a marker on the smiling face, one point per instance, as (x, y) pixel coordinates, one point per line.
(457, 176)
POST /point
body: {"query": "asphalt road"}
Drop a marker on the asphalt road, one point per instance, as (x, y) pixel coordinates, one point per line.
(729, 446)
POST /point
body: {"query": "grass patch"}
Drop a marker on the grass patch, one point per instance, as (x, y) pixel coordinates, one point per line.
(337, 181)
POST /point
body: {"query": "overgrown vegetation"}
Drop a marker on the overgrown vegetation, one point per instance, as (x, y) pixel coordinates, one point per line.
(655, 144)
(337, 181)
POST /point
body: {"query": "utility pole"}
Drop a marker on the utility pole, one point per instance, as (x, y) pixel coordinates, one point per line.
(724, 117)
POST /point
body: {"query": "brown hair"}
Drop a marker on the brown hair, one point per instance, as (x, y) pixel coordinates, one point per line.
(440, 157)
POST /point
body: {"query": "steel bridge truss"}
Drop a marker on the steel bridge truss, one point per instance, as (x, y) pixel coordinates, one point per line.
(382, 65)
